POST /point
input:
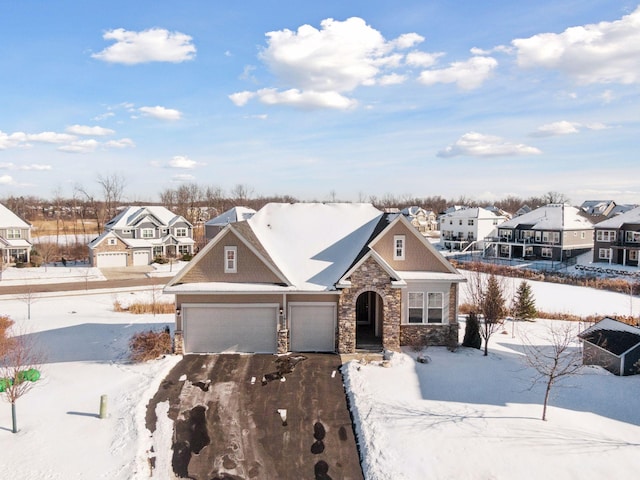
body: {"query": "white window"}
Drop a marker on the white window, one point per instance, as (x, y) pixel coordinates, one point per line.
(606, 236)
(470, 222)
(112, 241)
(157, 251)
(604, 253)
(230, 259)
(126, 231)
(495, 221)
(505, 233)
(546, 252)
(147, 233)
(633, 255)
(398, 247)
(13, 233)
(435, 307)
(528, 251)
(416, 307)
(504, 248)
(632, 237)
(460, 222)
(183, 249)
(582, 235)
(181, 232)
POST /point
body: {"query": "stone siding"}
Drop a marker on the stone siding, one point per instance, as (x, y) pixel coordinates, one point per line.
(283, 341)
(369, 277)
(429, 335)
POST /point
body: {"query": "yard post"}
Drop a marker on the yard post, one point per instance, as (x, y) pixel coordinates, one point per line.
(103, 406)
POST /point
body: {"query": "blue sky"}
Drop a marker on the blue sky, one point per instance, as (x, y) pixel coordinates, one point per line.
(345, 98)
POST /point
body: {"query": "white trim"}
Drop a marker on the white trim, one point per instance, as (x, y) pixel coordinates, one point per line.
(230, 262)
(399, 247)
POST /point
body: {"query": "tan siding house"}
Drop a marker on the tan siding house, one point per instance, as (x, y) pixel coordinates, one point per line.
(316, 277)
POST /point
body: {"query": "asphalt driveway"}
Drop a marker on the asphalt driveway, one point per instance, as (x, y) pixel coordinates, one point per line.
(259, 417)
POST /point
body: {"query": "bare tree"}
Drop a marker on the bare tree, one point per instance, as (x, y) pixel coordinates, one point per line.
(112, 189)
(20, 367)
(487, 296)
(29, 297)
(555, 361)
(241, 193)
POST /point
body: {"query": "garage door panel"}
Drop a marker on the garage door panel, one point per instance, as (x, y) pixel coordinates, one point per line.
(141, 258)
(106, 260)
(241, 328)
(313, 327)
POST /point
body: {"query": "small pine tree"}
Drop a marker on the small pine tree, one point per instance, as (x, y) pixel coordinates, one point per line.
(472, 336)
(524, 305)
(493, 309)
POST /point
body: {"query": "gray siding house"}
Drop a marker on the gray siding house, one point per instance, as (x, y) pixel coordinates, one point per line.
(139, 235)
(553, 232)
(15, 237)
(617, 240)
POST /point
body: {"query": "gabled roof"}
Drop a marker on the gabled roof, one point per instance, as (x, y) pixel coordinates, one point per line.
(474, 212)
(555, 216)
(612, 335)
(631, 216)
(235, 214)
(310, 246)
(131, 216)
(10, 219)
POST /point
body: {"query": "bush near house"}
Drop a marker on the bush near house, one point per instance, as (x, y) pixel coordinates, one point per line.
(149, 345)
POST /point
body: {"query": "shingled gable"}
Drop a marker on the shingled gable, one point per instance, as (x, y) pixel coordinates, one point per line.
(203, 268)
(422, 256)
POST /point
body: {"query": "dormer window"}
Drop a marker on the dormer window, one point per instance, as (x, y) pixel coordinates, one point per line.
(147, 233)
(112, 241)
(181, 232)
(13, 233)
(230, 259)
(398, 247)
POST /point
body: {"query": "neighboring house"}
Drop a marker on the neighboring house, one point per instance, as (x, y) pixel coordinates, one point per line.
(553, 232)
(613, 345)
(461, 228)
(316, 277)
(139, 235)
(236, 214)
(617, 240)
(424, 220)
(15, 237)
(598, 208)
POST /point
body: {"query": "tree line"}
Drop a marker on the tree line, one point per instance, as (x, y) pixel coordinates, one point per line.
(199, 203)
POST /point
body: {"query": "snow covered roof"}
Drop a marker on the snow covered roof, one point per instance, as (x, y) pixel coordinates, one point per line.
(555, 216)
(131, 215)
(10, 219)
(313, 244)
(632, 216)
(235, 214)
(474, 212)
(612, 335)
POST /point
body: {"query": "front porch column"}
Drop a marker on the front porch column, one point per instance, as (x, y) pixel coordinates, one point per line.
(391, 320)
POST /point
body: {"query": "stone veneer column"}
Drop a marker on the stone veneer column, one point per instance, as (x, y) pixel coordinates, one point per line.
(369, 277)
(178, 343)
(283, 340)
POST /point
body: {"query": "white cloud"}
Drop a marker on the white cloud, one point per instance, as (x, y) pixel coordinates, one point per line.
(180, 161)
(120, 143)
(467, 75)
(80, 146)
(161, 113)
(85, 130)
(306, 99)
(475, 144)
(607, 96)
(153, 45)
(556, 128)
(11, 140)
(606, 52)
(6, 180)
(597, 126)
(240, 99)
(50, 137)
(422, 59)
(183, 177)
(319, 67)
(35, 166)
(392, 79)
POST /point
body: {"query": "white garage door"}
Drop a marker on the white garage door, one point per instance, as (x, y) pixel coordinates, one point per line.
(313, 327)
(106, 260)
(141, 258)
(230, 328)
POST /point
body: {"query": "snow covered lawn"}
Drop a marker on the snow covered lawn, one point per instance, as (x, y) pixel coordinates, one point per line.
(61, 435)
(460, 416)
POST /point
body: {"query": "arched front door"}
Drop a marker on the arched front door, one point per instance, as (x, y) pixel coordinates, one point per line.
(369, 321)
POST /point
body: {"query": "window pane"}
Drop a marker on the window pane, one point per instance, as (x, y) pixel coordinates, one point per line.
(435, 315)
(415, 315)
(435, 300)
